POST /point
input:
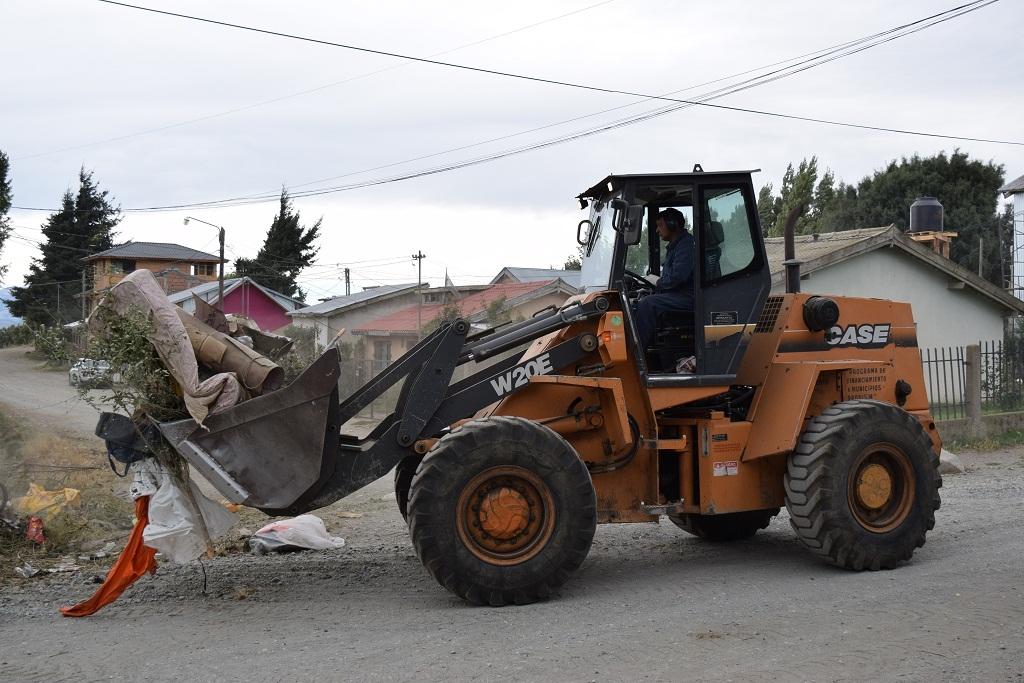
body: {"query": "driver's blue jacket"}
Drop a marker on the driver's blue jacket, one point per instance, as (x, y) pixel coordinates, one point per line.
(677, 271)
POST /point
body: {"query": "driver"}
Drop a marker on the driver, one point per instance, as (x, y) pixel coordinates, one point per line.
(674, 289)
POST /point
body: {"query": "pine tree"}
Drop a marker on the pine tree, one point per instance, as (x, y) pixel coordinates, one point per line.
(83, 225)
(286, 251)
(768, 206)
(5, 206)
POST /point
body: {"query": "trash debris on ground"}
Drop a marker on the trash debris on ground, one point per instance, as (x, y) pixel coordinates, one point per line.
(42, 503)
(305, 532)
(34, 530)
(26, 571)
(950, 463)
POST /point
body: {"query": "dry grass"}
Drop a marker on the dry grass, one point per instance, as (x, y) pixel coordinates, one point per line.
(104, 511)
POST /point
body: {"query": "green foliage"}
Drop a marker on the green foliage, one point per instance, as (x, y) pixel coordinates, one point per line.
(304, 351)
(449, 313)
(286, 251)
(5, 206)
(83, 225)
(144, 385)
(768, 207)
(51, 342)
(572, 262)
(967, 188)
(497, 313)
(16, 335)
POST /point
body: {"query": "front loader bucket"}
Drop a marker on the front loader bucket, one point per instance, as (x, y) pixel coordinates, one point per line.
(270, 450)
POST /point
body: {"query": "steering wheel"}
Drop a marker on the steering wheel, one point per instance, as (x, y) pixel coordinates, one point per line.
(642, 283)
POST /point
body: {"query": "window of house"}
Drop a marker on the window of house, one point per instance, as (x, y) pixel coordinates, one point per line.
(121, 267)
(381, 355)
(204, 269)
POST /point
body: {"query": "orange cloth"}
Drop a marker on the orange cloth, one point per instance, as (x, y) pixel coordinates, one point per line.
(135, 560)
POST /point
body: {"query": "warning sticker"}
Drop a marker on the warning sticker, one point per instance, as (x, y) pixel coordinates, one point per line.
(727, 468)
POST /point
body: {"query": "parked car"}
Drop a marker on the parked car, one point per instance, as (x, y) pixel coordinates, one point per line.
(89, 372)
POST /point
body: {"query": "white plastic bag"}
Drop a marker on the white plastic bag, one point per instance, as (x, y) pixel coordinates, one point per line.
(180, 524)
(304, 531)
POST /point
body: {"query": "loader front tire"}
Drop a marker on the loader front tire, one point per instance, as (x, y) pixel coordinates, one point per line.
(502, 511)
(732, 526)
(862, 485)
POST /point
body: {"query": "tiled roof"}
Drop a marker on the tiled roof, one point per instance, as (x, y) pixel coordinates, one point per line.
(571, 277)
(208, 292)
(811, 247)
(340, 302)
(1013, 186)
(407, 319)
(828, 249)
(159, 251)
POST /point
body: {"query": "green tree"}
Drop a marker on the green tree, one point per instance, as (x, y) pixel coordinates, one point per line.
(768, 206)
(83, 225)
(572, 262)
(5, 206)
(797, 190)
(968, 190)
(286, 251)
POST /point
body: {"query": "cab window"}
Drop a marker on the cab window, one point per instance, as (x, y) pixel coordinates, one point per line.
(728, 241)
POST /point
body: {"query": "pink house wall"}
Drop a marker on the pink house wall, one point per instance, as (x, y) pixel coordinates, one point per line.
(249, 301)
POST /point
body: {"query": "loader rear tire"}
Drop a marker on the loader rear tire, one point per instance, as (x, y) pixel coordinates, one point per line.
(862, 485)
(726, 527)
(405, 470)
(502, 511)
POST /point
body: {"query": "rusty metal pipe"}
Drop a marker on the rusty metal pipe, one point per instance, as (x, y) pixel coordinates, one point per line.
(221, 353)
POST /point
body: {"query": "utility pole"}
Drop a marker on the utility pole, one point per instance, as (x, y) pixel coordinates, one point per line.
(220, 236)
(418, 257)
(60, 315)
(348, 282)
(84, 305)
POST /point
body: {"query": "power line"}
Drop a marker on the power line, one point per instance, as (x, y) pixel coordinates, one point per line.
(956, 12)
(826, 56)
(307, 91)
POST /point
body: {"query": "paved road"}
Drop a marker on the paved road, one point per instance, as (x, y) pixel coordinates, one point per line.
(650, 603)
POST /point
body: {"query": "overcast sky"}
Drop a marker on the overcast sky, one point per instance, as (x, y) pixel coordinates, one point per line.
(83, 72)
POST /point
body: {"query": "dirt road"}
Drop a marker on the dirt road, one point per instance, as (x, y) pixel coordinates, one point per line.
(650, 603)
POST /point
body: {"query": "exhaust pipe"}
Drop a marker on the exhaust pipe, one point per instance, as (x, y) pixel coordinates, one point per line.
(791, 263)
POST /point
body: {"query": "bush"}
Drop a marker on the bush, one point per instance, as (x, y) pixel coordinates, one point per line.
(51, 342)
(15, 335)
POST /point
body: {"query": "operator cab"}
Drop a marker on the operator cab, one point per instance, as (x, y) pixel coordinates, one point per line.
(730, 271)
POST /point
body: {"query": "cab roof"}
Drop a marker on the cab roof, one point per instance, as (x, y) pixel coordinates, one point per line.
(601, 189)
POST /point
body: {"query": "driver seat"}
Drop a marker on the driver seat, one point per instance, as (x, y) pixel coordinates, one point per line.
(673, 341)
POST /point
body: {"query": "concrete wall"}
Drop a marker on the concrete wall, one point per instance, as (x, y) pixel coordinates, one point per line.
(945, 317)
(991, 425)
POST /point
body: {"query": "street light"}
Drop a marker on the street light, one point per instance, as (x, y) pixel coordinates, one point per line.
(220, 231)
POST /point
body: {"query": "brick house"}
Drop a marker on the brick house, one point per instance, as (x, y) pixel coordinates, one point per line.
(175, 267)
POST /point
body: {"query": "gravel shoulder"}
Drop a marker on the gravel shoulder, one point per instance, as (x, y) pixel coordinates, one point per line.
(650, 603)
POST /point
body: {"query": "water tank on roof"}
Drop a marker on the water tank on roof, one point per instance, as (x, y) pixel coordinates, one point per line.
(926, 215)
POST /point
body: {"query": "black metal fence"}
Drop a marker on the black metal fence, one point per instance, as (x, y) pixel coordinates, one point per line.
(1002, 376)
(945, 379)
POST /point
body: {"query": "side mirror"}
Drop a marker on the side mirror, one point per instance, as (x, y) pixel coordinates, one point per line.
(582, 238)
(633, 225)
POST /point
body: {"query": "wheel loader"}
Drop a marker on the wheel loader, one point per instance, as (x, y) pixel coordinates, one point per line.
(753, 402)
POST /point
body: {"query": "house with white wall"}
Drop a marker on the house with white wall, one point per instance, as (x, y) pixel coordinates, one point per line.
(952, 305)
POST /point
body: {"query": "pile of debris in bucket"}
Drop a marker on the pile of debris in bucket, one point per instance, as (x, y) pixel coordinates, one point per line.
(212, 362)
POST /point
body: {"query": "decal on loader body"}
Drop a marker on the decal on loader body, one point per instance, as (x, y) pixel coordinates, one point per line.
(521, 374)
(870, 336)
